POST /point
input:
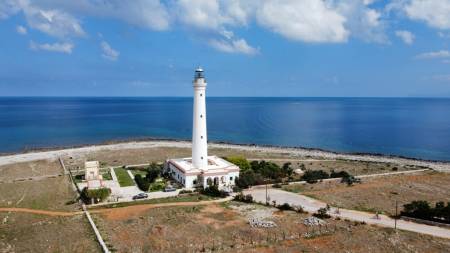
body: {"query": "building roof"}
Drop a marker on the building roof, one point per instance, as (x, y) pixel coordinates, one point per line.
(216, 165)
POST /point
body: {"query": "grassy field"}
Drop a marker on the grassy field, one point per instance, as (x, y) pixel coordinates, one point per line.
(123, 177)
(380, 193)
(224, 228)
(38, 233)
(143, 173)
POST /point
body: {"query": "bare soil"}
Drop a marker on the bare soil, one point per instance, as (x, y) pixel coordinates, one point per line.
(220, 228)
(380, 193)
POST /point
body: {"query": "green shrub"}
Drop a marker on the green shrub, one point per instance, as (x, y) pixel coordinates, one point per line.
(339, 174)
(157, 186)
(153, 172)
(312, 176)
(213, 191)
(243, 198)
(239, 161)
(322, 213)
(285, 207)
(185, 191)
(287, 169)
(95, 195)
(422, 210)
(141, 182)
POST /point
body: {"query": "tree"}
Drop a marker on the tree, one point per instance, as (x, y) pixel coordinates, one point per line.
(94, 195)
(153, 172)
(141, 182)
(418, 209)
(312, 176)
(239, 161)
(287, 169)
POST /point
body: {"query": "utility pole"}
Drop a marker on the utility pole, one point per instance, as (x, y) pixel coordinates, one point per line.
(267, 199)
(396, 214)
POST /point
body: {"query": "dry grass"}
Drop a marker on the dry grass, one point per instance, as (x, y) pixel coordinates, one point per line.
(160, 154)
(221, 229)
(36, 233)
(49, 194)
(380, 193)
(29, 169)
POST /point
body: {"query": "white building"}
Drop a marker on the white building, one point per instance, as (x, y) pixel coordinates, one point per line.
(201, 170)
(92, 175)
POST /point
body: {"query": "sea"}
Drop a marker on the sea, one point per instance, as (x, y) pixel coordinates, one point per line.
(408, 127)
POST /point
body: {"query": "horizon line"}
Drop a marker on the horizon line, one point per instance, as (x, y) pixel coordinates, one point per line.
(58, 96)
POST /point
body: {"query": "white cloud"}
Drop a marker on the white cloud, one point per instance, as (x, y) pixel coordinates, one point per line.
(306, 20)
(406, 36)
(21, 30)
(53, 22)
(108, 52)
(233, 46)
(8, 8)
(362, 21)
(55, 47)
(434, 55)
(436, 13)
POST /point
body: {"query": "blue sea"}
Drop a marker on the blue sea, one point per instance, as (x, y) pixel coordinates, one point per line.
(411, 127)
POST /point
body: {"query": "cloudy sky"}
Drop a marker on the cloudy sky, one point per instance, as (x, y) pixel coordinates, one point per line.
(300, 48)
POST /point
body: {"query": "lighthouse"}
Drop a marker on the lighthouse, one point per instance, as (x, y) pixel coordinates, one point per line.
(201, 170)
(199, 137)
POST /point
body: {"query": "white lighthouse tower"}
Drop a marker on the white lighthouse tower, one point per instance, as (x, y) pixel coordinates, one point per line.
(201, 170)
(199, 137)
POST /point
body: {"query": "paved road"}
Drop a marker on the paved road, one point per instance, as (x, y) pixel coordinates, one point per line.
(312, 205)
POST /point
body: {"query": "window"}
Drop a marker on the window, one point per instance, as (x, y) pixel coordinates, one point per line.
(201, 95)
(201, 157)
(201, 116)
(201, 137)
(194, 182)
(231, 179)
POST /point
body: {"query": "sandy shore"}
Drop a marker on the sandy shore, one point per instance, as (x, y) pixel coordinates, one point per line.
(79, 151)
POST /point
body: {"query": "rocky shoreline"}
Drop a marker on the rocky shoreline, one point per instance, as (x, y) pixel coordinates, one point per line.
(154, 143)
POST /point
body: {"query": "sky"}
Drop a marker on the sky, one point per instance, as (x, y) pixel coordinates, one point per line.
(300, 48)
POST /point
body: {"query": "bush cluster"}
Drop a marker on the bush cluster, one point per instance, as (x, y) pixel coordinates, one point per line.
(94, 195)
(243, 198)
(153, 172)
(423, 210)
(213, 191)
(260, 172)
(322, 213)
(312, 176)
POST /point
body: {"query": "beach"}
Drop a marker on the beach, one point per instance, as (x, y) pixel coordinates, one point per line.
(297, 152)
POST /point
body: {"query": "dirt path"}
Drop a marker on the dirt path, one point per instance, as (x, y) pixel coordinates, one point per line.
(126, 209)
(36, 211)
